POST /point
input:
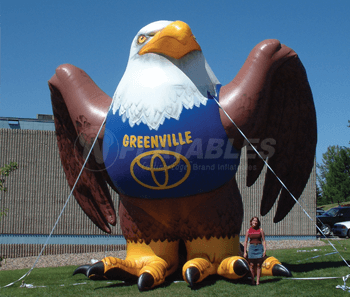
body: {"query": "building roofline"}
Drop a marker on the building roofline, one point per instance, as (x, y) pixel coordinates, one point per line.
(38, 119)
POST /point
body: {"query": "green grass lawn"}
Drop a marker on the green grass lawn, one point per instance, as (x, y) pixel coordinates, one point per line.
(60, 282)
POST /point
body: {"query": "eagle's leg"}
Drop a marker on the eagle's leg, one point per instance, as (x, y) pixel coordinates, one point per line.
(213, 256)
(149, 264)
(272, 267)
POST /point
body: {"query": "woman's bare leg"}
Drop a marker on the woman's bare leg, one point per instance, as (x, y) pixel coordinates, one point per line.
(251, 266)
(258, 273)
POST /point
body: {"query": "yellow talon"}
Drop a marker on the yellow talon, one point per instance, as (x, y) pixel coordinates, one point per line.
(149, 263)
(156, 267)
(129, 266)
(204, 267)
(206, 255)
(233, 267)
(273, 267)
(267, 266)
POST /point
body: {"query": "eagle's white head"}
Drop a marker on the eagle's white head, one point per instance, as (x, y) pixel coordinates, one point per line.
(166, 71)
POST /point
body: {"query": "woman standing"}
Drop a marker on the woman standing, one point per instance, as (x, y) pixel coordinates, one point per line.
(257, 248)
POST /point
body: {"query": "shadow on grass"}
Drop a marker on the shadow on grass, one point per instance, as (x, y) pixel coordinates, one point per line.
(118, 285)
(209, 281)
(307, 267)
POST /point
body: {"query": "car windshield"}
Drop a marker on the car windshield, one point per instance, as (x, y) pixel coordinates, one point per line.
(332, 212)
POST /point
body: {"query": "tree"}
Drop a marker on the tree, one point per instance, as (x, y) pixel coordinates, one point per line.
(322, 171)
(337, 186)
(319, 197)
(333, 177)
(5, 171)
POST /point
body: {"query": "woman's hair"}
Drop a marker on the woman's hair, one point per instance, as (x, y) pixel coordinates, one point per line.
(253, 219)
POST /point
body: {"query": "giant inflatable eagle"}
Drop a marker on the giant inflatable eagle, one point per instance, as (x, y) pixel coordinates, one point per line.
(168, 122)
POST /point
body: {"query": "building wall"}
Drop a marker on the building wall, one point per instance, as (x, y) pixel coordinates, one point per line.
(37, 192)
(295, 224)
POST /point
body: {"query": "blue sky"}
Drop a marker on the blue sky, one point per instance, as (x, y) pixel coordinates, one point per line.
(39, 35)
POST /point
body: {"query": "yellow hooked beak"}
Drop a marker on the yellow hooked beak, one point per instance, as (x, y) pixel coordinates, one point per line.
(175, 40)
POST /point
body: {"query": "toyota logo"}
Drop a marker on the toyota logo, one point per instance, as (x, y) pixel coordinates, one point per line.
(152, 169)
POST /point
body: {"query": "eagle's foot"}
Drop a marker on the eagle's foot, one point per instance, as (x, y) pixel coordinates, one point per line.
(195, 270)
(148, 273)
(233, 267)
(272, 267)
(82, 269)
(212, 256)
(145, 282)
(153, 273)
(97, 272)
(192, 275)
(113, 269)
(146, 264)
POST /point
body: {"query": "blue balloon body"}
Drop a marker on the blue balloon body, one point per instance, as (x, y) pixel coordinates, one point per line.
(181, 158)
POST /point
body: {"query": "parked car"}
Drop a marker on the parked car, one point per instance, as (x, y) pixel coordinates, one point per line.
(335, 215)
(319, 211)
(342, 229)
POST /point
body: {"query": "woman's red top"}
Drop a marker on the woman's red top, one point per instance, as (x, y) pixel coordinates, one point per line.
(254, 235)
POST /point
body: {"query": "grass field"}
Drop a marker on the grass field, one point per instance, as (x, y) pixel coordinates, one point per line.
(60, 282)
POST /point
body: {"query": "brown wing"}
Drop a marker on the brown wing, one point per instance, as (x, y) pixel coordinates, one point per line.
(270, 100)
(79, 108)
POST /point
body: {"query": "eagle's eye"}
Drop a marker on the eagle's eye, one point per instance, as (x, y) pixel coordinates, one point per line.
(141, 39)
